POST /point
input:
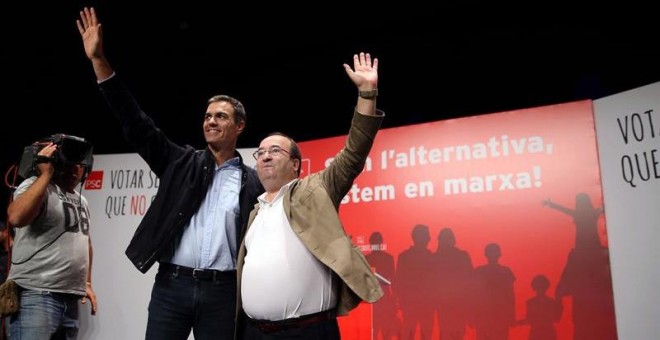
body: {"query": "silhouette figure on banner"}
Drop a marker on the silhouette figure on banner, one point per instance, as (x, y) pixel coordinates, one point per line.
(415, 285)
(585, 217)
(587, 276)
(386, 324)
(542, 311)
(495, 301)
(454, 275)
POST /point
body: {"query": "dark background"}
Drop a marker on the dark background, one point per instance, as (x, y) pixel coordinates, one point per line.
(284, 62)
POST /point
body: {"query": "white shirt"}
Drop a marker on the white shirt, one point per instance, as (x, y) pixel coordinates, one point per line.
(281, 279)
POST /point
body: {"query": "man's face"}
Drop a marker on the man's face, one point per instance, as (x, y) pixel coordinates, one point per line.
(70, 176)
(220, 130)
(275, 167)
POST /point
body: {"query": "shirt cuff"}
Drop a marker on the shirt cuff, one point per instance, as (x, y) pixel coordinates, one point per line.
(110, 77)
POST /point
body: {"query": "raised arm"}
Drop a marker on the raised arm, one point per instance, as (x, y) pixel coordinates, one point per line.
(559, 207)
(92, 36)
(27, 206)
(349, 162)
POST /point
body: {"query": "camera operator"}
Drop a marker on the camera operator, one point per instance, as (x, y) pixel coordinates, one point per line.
(52, 255)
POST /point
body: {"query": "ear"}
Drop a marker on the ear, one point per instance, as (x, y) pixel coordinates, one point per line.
(240, 127)
(296, 168)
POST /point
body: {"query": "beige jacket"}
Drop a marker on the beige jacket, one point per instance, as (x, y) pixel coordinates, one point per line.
(312, 205)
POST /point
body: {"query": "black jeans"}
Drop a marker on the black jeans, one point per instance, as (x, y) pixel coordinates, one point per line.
(180, 303)
(325, 330)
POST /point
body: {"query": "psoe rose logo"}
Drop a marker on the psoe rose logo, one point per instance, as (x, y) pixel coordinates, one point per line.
(94, 180)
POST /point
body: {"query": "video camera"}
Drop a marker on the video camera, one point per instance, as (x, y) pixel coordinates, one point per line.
(71, 150)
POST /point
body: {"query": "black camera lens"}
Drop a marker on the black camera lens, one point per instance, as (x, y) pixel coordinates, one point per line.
(73, 151)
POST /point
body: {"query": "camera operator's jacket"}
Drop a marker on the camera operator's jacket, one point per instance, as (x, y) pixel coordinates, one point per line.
(184, 175)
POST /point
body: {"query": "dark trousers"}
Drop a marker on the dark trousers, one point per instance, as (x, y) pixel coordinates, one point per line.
(324, 330)
(180, 303)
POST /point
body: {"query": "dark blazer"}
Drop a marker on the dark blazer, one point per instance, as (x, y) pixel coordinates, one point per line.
(315, 219)
(184, 175)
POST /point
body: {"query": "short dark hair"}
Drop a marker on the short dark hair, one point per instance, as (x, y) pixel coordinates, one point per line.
(239, 109)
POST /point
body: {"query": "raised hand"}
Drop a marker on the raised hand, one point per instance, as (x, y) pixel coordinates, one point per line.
(92, 36)
(44, 159)
(364, 73)
(91, 33)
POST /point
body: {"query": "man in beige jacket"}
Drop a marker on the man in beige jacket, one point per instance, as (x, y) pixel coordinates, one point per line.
(297, 267)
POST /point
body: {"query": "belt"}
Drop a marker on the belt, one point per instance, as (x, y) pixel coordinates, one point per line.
(195, 273)
(268, 326)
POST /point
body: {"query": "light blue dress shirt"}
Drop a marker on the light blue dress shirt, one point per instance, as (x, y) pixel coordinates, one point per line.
(209, 240)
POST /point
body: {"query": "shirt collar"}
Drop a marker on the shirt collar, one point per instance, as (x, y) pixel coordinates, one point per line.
(283, 189)
(232, 162)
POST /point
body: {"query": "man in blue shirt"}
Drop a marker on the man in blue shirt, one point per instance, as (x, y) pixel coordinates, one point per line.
(196, 221)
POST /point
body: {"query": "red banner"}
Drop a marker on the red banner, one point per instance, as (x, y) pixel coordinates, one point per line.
(488, 226)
